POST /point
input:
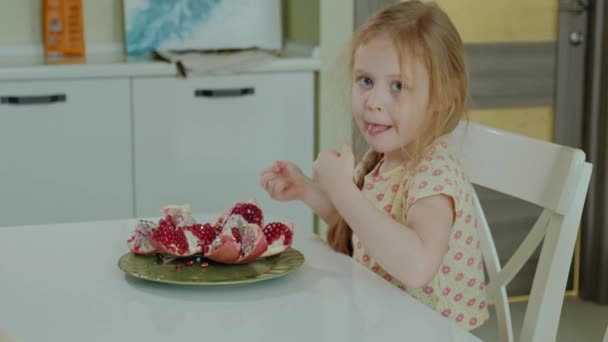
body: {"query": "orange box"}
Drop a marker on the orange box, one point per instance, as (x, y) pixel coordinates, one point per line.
(63, 28)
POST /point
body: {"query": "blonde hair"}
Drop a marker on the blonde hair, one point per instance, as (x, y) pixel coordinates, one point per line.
(427, 30)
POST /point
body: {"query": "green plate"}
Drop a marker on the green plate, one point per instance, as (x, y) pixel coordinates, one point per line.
(147, 267)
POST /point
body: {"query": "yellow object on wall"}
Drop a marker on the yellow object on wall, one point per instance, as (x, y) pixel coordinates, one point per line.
(503, 20)
(535, 122)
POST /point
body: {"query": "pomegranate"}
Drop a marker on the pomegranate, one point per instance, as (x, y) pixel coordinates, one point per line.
(139, 242)
(279, 237)
(237, 237)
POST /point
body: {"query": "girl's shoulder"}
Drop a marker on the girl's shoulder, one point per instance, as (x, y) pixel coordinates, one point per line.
(439, 171)
(440, 154)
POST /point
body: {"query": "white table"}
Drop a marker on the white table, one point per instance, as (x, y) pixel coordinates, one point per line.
(61, 283)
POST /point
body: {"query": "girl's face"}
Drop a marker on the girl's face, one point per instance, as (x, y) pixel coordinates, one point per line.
(389, 114)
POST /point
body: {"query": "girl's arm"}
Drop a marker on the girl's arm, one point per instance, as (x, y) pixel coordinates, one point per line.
(412, 252)
(316, 200)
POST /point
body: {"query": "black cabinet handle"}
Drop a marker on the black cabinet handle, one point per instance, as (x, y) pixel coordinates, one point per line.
(233, 92)
(33, 100)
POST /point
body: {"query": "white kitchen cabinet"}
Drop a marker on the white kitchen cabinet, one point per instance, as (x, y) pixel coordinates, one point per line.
(204, 140)
(65, 149)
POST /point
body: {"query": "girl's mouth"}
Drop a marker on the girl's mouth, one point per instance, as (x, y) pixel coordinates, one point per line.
(376, 129)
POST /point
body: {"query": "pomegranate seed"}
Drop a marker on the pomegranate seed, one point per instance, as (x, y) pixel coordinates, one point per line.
(178, 266)
(160, 256)
(204, 265)
(189, 263)
(236, 234)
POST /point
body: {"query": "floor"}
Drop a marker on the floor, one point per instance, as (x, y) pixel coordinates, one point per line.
(581, 321)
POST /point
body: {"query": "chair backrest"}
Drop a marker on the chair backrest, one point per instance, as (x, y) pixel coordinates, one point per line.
(552, 176)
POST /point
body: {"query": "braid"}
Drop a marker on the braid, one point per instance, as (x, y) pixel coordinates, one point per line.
(339, 235)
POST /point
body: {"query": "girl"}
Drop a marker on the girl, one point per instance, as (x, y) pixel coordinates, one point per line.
(408, 215)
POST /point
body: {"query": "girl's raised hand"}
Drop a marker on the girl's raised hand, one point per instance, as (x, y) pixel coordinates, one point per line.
(284, 181)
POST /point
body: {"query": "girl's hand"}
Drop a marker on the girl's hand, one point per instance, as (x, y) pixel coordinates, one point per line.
(284, 181)
(333, 170)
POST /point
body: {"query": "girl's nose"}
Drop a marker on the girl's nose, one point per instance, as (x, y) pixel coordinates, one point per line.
(374, 101)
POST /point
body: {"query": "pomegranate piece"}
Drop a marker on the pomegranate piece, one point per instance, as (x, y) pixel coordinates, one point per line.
(225, 248)
(177, 241)
(253, 243)
(180, 215)
(139, 242)
(249, 210)
(279, 237)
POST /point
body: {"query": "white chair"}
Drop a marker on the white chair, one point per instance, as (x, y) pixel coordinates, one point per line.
(552, 176)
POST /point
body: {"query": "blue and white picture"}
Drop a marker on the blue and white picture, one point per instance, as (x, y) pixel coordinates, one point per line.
(201, 25)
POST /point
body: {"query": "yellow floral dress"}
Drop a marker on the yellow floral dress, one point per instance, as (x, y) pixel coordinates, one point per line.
(458, 289)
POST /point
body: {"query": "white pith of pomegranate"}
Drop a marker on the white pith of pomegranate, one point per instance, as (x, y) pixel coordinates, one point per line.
(279, 237)
(139, 242)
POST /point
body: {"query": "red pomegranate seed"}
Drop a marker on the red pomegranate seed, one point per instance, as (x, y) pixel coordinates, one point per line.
(204, 265)
(178, 266)
(236, 234)
(189, 263)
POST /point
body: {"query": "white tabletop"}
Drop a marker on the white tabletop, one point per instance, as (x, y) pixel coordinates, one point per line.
(62, 283)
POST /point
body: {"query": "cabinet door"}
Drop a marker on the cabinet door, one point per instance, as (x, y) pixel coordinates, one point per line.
(66, 151)
(204, 141)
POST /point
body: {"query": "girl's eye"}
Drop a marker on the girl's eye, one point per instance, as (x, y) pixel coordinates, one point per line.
(396, 86)
(366, 81)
